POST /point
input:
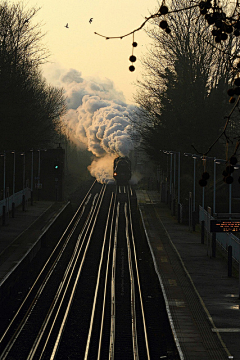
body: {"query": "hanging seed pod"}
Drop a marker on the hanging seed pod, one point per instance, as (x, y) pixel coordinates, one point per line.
(225, 173)
(233, 160)
(210, 19)
(237, 25)
(214, 32)
(132, 58)
(203, 11)
(219, 24)
(224, 36)
(229, 29)
(202, 182)
(134, 44)
(237, 90)
(229, 179)
(208, 4)
(131, 68)
(222, 16)
(202, 4)
(163, 24)
(163, 10)
(232, 100)
(237, 82)
(230, 92)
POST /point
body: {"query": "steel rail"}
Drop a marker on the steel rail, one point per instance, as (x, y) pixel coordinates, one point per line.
(26, 316)
(138, 278)
(23, 322)
(131, 275)
(106, 276)
(60, 333)
(98, 281)
(11, 324)
(113, 304)
(62, 287)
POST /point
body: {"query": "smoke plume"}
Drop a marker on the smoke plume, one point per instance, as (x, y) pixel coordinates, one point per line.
(99, 119)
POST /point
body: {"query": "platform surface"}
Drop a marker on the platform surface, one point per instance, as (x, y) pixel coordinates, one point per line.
(202, 301)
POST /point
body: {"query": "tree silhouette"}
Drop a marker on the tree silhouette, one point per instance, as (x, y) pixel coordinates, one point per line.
(30, 109)
(222, 23)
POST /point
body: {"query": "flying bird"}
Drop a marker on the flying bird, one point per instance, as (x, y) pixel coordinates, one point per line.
(91, 20)
(66, 26)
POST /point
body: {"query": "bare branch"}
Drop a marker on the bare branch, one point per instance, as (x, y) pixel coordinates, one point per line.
(147, 19)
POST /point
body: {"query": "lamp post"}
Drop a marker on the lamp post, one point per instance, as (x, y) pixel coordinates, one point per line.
(214, 179)
(194, 156)
(23, 196)
(194, 177)
(39, 169)
(179, 193)
(14, 179)
(174, 182)
(171, 166)
(169, 198)
(214, 185)
(32, 179)
(4, 188)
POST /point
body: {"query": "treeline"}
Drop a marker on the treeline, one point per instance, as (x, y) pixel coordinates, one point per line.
(30, 109)
(183, 101)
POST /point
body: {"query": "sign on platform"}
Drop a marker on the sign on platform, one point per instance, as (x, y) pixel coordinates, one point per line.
(224, 225)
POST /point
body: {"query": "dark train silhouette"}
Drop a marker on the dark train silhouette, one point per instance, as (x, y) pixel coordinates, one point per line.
(122, 170)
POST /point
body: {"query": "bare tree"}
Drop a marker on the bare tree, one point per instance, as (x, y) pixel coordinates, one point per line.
(30, 109)
(222, 23)
(182, 97)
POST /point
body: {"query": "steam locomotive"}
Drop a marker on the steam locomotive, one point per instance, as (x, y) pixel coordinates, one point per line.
(122, 170)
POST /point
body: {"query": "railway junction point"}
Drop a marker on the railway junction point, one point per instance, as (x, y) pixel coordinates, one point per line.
(201, 300)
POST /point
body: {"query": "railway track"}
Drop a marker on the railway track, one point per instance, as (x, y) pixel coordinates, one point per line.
(88, 301)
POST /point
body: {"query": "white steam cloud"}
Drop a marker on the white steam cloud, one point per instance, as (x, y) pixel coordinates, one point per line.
(98, 118)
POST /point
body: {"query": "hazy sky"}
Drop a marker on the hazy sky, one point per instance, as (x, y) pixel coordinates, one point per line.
(79, 48)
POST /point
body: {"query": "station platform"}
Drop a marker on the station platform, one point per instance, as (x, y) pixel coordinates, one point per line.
(21, 234)
(201, 300)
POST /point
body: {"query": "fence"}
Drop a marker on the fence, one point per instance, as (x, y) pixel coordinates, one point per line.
(224, 239)
(17, 199)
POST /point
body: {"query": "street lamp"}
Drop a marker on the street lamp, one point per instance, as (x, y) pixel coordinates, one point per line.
(4, 188)
(39, 168)
(14, 176)
(23, 196)
(174, 179)
(32, 179)
(194, 156)
(194, 177)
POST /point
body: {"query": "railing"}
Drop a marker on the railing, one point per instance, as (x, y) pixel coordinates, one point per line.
(224, 239)
(17, 198)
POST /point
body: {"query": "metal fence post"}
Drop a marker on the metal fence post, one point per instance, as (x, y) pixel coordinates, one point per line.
(209, 238)
(202, 231)
(214, 244)
(190, 211)
(229, 261)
